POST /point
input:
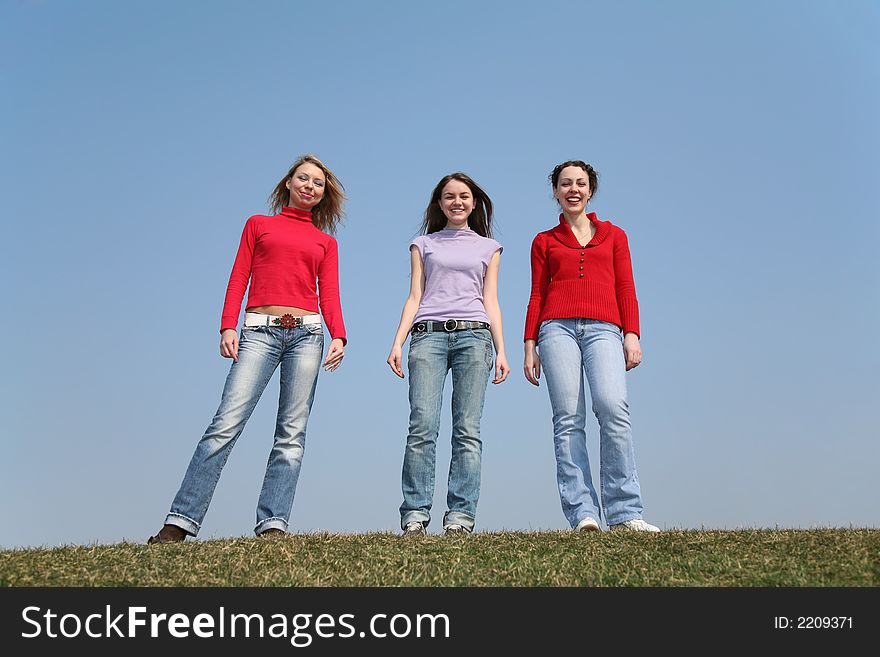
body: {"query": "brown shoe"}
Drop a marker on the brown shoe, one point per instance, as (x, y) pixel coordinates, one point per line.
(168, 534)
(273, 532)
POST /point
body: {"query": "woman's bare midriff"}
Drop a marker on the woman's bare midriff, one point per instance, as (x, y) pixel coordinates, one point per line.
(281, 310)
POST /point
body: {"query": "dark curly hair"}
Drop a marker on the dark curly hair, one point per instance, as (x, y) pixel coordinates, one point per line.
(592, 175)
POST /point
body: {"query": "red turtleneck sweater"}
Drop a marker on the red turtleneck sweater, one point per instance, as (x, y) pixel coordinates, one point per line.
(594, 281)
(285, 256)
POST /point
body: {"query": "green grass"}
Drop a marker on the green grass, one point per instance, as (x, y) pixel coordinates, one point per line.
(825, 557)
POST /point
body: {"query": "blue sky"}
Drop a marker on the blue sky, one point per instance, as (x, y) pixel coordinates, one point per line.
(737, 144)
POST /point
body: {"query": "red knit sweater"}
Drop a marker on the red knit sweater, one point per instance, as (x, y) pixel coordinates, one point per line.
(284, 256)
(593, 281)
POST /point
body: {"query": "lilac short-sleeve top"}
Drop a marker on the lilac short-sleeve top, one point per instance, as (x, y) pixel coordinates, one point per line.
(455, 263)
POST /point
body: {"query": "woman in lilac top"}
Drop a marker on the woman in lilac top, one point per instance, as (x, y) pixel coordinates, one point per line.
(453, 316)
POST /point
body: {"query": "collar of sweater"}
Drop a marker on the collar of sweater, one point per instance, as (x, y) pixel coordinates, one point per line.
(565, 235)
(295, 213)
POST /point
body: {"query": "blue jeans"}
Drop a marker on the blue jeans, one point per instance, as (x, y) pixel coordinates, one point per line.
(569, 348)
(260, 351)
(469, 354)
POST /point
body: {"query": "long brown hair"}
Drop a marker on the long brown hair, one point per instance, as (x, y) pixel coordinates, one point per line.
(328, 213)
(480, 218)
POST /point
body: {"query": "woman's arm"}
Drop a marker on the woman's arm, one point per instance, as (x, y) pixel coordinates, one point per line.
(540, 283)
(328, 286)
(532, 363)
(331, 307)
(632, 349)
(624, 285)
(627, 302)
(493, 310)
(238, 282)
(410, 307)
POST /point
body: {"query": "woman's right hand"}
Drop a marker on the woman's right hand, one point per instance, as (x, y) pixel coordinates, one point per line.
(229, 344)
(394, 359)
(532, 363)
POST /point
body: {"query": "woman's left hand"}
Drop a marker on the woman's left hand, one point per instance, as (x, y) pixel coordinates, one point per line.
(334, 355)
(502, 369)
(632, 349)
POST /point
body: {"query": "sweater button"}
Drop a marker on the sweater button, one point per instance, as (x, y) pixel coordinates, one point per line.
(582, 253)
(582, 275)
(582, 259)
(582, 268)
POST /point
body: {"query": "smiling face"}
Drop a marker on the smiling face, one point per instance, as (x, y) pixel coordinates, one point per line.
(457, 202)
(306, 186)
(573, 190)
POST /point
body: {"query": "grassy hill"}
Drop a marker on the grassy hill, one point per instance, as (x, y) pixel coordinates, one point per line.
(825, 557)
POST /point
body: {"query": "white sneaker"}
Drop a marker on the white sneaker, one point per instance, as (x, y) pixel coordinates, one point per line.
(456, 530)
(414, 529)
(587, 525)
(635, 525)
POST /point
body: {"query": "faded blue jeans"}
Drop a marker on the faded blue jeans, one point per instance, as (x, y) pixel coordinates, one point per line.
(260, 351)
(469, 354)
(569, 348)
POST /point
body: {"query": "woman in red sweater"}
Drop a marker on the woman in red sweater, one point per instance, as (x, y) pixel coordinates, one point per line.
(583, 318)
(286, 258)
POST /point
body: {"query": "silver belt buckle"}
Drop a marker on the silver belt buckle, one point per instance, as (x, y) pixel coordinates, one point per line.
(421, 327)
(446, 325)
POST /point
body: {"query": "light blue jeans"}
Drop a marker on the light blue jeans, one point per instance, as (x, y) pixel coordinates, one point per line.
(569, 348)
(469, 354)
(260, 351)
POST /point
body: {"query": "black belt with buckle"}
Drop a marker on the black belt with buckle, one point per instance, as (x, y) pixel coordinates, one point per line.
(448, 326)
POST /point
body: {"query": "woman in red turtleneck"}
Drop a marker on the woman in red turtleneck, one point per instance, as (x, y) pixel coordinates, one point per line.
(287, 258)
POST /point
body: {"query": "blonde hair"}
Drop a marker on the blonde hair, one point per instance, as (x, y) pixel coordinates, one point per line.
(328, 213)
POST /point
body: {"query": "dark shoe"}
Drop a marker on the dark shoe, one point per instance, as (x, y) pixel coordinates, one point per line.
(168, 534)
(273, 532)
